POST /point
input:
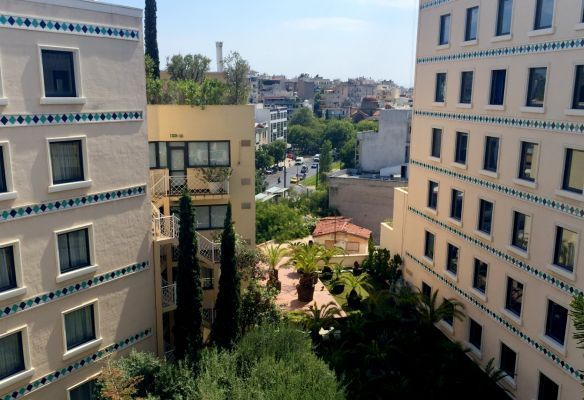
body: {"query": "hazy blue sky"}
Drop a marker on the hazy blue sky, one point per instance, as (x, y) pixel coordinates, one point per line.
(334, 38)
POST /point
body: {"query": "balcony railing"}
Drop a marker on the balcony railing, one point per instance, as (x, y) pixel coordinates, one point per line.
(194, 182)
(209, 315)
(168, 295)
(208, 249)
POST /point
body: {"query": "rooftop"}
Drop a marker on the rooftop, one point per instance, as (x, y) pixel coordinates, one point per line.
(328, 225)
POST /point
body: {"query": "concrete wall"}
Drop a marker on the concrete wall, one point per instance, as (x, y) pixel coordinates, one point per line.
(386, 147)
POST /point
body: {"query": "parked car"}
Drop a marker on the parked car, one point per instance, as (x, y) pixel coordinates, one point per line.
(314, 165)
(299, 161)
(294, 180)
(316, 158)
(269, 171)
(304, 169)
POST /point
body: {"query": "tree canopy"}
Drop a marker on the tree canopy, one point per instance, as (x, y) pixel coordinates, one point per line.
(189, 67)
(236, 75)
(151, 37)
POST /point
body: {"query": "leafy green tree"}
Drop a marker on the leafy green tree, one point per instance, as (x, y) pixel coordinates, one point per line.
(154, 85)
(188, 315)
(326, 159)
(260, 182)
(303, 116)
(226, 329)
(263, 158)
(431, 313)
(277, 149)
(317, 105)
(347, 153)
(305, 139)
(577, 313)
(189, 67)
(367, 125)
(151, 37)
(212, 92)
(338, 132)
(236, 75)
(280, 222)
(258, 306)
(369, 262)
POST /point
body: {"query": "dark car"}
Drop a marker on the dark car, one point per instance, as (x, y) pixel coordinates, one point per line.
(304, 169)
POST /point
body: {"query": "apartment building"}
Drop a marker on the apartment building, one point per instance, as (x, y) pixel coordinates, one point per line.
(494, 214)
(210, 153)
(74, 209)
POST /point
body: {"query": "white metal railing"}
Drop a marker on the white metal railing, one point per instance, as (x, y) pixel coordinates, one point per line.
(164, 227)
(209, 315)
(168, 294)
(195, 185)
(168, 352)
(208, 249)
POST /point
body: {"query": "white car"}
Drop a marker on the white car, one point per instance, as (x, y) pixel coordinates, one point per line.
(316, 158)
(299, 161)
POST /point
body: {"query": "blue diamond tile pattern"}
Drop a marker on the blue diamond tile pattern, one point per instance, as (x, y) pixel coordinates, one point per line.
(523, 49)
(71, 289)
(67, 27)
(545, 351)
(32, 210)
(512, 122)
(533, 198)
(79, 364)
(14, 120)
(522, 265)
(433, 3)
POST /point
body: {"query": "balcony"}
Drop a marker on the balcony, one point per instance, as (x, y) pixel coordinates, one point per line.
(198, 182)
(168, 295)
(164, 227)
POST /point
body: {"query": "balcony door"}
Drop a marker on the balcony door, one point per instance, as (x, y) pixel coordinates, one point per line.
(177, 166)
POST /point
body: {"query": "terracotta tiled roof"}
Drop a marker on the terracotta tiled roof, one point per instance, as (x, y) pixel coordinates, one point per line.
(329, 225)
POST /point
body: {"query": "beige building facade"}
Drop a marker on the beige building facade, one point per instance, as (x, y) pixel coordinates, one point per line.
(75, 245)
(210, 152)
(494, 213)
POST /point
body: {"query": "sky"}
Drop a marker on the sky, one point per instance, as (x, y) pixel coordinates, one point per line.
(333, 38)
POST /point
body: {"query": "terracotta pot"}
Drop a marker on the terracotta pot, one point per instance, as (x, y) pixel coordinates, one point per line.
(305, 293)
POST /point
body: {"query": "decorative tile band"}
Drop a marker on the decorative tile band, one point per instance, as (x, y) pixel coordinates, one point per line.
(563, 286)
(32, 210)
(531, 48)
(84, 362)
(574, 373)
(70, 27)
(433, 3)
(512, 122)
(506, 190)
(12, 120)
(50, 297)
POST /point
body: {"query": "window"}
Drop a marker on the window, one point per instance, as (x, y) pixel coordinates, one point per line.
(504, 13)
(86, 391)
(548, 389)
(58, 73)
(466, 87)
(79, 327)
(158, 155)
(444, 30)
(448, 318)
(74, 250)
(456, 204)
(440, 87)
(209, 154)
(578, 98)
(11, 355)
(460, 148)
(485, 216)
(3, 182)
(544, 13)
(573, 179)
(207, 278)
(536, 87)
(472, 20)
(436, 142)
(67, 161)
(429, 245)
(521, 228)
(7, 269)
(452, 259)
(475, 334)
(555, 326)
(426, 291)
(514, 297)
(210, 217)
(432, 195)
(491, 157)
(508, 361)
(479, 281)
(497, 95)
(528, 161)
(565, 248)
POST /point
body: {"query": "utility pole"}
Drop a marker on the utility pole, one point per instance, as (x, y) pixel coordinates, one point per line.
(285, 157)
(317, 168)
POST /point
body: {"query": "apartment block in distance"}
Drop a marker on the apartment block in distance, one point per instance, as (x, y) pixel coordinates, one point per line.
(210, 153)
(75, 278)
(494, 213)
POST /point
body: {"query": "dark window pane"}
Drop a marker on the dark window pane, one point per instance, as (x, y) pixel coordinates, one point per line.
(207, 278)
(3, 184)
(536, 87)
(466, 87)
(456, 205)
(528, 161)
(544, 14)
(440, 87)
(429, 245)
(504, 17)
(58, 73)
(7, 269)
(472, 19)
(426, 290)
(491, 154)
(218, 214)
(152, 155)
(557, 318)
(508, 360)
(444, 29)
(578, 100)
(432, 195)
(74, 250)
(475, 334)
(449, 318)
(79, 327)
(497, 95)
(11, 355)
(521, 229)
(452, 259)
(162, 155)
(461, 145)
(219, 154)
(485, 216)
(203, 217)
(514, 296)
(565, 249)
(87, 391)
(198, 154)
(480, 276)
(548, 389)
(574, 171)
(66, 161)
(436, 142)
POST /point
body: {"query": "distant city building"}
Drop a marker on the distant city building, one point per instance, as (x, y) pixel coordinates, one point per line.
(273, 122)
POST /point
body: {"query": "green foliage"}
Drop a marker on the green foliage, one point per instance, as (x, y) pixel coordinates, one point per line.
(338, 132)
(326, 159)
(315, 203)
(306, 258)
(151, 37)
(277, 150)
(347, 153)
(360, 284)
(226, 329)
(185, 92)
(367, 125)
(190, 67)
(188, 315)
(263, 159)
(304, 139)
(248, 258)
(280, 222)
(236, 75)
(304, 117)
(260, 182)
(577, 314)
(258, 306)
(317, 105)
(432, 313)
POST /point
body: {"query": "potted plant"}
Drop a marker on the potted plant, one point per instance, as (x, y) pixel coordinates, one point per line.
(215, 177)
(338, 285)
(305, 258)
(359, 286)
(273, 255)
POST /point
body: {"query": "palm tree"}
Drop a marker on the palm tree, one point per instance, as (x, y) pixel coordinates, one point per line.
(577, 313)
(274, 254)
(431, 313)
(327, 254)
(305, 258)
(320, 317)
(360, 284)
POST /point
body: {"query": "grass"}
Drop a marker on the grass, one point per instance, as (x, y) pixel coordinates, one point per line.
(311, 180)
(341, 298)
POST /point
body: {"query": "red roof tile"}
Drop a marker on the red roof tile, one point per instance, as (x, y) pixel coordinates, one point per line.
(328, 225)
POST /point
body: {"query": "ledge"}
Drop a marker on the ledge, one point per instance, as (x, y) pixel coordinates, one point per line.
(501, 38)
(435, 159)
(17, 377)
(513, 317)
(570, 195)
(532, 110)
(12, 293)
(82, 348)
(526, 183)
(555, 346)
(77, 273)
(3, 101)
(464, 105)
(8, 196)
(495, 107)
(574, 112)
(443, 46)
(541, 32)
(63, 100)
(459, 165)
(438, 104)
(61, 187)
(520, 252)
(490, 174)
(563, 272)
(579, 26)
(483, 235)
(469, 43)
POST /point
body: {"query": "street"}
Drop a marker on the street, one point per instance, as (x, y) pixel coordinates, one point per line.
(291, 171)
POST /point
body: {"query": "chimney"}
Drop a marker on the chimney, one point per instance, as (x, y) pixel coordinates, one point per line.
(219, 48)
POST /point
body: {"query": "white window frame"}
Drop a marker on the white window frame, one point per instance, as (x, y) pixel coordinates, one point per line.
(517, 180)
(20, 289)
(508, 36)
(3, 99)
(450, 218)
(477, 232)
(510, 246)
(90, 269)
(438, 103)
(560, 191)
(11, 194)
(540, 373)
(476, 292)
(431, 210)
(545, 31)
(569, 110)
(430, 156)
(83, 382)
(28, 369)
(430, 261)
(446, 45)
(80, 99)
(530, 109)
(472, 42)
(478, 353)
(556, 269)
(580, 24)
(67, 354)
(517, 319)
(453, 163)
(483, 171)
(448, 273)
(551, 342)
(497, 107)
(60, 187)
(507, 380)
(472, 88)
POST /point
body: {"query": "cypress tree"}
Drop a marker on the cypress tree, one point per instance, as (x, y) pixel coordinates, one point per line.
(151, 36)
(188, 333)
(228, 304)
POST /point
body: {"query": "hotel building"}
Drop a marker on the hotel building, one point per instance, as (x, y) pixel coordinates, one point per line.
(494, 213)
